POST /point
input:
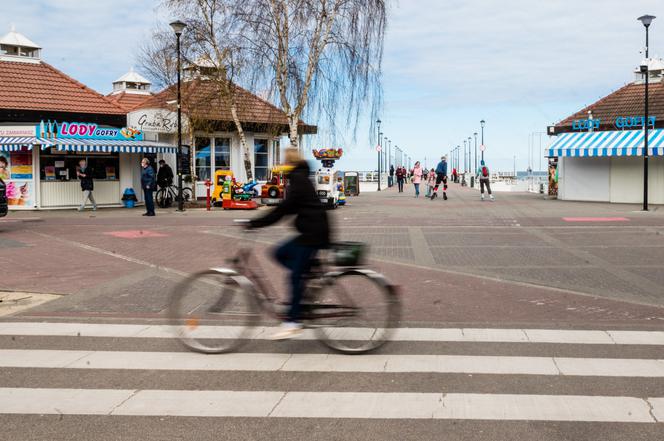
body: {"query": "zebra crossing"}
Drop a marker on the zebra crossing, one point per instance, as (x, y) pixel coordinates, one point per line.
(84, 356)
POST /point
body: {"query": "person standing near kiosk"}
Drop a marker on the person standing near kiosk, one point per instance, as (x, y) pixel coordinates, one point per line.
(148, 182)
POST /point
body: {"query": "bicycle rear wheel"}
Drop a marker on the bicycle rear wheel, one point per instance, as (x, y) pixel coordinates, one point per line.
(357, 312)
(213, 311)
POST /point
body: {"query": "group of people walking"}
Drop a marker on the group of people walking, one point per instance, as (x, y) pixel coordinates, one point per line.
(436, 176)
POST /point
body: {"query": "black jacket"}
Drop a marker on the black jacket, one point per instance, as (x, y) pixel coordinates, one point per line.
(86, 182)
(301, 200)
(165, 176)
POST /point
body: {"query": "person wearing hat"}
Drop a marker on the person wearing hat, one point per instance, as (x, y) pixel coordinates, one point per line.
(441, 176)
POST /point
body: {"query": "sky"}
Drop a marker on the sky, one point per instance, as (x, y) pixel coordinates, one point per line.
(519, 65)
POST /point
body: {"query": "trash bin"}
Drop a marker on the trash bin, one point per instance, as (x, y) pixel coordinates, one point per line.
(472, 182)
(129, 198)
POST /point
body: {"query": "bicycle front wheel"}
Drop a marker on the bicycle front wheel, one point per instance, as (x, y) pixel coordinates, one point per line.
(357, 312)
(163, 198)
(213, 311)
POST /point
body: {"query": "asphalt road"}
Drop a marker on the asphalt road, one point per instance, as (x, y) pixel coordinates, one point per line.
(491, 295)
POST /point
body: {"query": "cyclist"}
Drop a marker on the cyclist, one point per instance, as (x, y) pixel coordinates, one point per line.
(314, 233)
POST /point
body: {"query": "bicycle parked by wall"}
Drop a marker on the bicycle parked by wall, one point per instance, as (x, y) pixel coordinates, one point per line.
(167, 195)
(350, 308)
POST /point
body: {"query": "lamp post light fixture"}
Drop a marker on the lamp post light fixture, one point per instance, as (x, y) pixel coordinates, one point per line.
(178, 28)
(482, 144)
(646, 20)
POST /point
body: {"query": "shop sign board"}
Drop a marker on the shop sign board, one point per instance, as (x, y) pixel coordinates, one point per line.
(155, 120)
(586, 124)
(53, 130)
(19, 131)
(634, 122)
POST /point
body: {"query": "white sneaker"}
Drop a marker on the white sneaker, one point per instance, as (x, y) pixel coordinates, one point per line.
(482, 197)
(492, 198)
(287, 330)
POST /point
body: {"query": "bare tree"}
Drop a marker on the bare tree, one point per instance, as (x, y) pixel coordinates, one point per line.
(323, 58)
(209, 48)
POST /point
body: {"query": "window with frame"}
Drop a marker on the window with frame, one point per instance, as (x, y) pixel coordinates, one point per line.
(222, 154)
(203, 158)
(261, 159)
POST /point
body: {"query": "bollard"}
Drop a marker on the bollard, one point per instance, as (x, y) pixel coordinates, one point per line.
(472, 182)
(208, 184)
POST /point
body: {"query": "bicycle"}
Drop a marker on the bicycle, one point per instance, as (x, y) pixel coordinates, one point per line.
(166, 195)
(215, 310)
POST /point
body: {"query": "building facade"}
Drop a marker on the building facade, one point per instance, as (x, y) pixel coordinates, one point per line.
(598, 151)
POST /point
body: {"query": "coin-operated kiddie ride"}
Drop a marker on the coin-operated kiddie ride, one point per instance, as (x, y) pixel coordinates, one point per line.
(231, 194)
(327, 177)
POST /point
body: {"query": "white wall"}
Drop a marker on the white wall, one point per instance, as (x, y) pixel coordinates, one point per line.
(584, 179)
(627, 180)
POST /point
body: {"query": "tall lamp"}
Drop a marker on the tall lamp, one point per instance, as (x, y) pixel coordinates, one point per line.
(380, 136)
(482, 144)
(646, 20)
(178, 27)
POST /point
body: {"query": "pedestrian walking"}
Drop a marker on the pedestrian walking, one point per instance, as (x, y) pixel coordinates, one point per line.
(148, 182)
(416, 174)
(390, 182)
(441, 176)
(85, 173)
(431, 181)
(400, 177)
(455, 175)
(485, 180)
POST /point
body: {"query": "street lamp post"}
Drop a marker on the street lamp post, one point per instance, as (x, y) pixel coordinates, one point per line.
(465, 153)
(470, 163)
(646, 20)
(482, 124)
(475, 135)
(380, 135)
(178, 27)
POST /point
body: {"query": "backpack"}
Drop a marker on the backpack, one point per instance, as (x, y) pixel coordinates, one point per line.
(485, 172)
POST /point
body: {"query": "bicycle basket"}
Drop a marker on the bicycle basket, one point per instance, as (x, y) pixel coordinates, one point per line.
(348, 253)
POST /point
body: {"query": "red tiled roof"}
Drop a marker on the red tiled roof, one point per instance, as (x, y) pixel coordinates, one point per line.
(40, 86)
(202, 95)
(128, 100)
(626, 101)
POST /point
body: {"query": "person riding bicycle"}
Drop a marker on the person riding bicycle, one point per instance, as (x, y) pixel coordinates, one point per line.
(164, 175)
(311, 221)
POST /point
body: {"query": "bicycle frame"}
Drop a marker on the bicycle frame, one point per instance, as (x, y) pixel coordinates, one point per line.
(242, 265)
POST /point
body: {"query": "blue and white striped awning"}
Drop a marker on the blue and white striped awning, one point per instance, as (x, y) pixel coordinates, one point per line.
(611, 143)
(15, 143)
(112, 146)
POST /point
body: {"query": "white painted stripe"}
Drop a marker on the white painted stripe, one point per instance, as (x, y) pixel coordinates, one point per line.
(469, 335)
(365, 405)
(272, 362)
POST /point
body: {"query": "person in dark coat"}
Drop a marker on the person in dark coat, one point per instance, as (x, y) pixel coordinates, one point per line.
(84, 173)
(313, 226)
(148, 183)
(164, 174)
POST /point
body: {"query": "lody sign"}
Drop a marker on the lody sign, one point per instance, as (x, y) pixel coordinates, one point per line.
(74, 130)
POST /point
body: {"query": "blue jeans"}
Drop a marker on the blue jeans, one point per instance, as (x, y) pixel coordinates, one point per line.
(149, 201)
(297, 258)
(417, 189)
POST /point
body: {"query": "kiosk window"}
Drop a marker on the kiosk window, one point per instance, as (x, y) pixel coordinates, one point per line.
(222, 154)
(203, 163)
(260, 159)
(61, 166)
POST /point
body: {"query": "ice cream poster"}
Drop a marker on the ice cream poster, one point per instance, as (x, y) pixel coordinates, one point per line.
(20, 194)
(21, 165)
